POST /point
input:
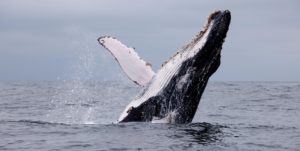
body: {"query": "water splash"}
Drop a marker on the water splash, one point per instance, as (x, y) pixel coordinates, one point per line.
(75, 101)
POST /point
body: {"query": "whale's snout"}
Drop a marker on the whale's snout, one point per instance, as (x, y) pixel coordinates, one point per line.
(221, 21)
(224, 19)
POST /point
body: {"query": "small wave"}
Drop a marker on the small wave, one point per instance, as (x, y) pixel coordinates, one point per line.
(282, 96)
(89, 123)
(77, 146)
(229, 84)
(267, 146)
(270, 127)
(83, 104)
(259, 99)
(37, 122)
(40, 122)
(203, 133)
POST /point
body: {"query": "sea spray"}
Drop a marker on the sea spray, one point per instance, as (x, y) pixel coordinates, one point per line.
(75, 101)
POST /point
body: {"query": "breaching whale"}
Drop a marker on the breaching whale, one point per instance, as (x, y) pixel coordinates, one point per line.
(172, 94)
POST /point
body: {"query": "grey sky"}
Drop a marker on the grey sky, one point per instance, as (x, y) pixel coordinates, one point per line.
(51, 39)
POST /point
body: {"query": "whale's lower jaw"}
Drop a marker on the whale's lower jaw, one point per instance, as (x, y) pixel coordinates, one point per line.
(174, 93)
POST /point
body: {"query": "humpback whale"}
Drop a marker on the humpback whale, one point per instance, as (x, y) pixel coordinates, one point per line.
(172, 94)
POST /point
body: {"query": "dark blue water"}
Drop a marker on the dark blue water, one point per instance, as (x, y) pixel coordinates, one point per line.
(79, 116)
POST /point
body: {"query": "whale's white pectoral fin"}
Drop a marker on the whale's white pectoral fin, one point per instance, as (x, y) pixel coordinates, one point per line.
(136, 68)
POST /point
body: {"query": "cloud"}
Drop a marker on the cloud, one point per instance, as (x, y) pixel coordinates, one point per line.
(260, 33)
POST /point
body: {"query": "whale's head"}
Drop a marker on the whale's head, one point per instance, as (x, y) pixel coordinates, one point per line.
(204, 51)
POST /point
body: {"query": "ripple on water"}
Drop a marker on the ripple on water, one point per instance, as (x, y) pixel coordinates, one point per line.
(256, 116)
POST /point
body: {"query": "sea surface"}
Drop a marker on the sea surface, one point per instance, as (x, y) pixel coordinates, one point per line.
(80, 115)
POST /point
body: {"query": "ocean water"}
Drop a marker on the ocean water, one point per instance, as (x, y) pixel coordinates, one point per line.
(80, 115)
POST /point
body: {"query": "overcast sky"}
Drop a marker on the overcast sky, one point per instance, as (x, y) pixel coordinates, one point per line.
(55, 39)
